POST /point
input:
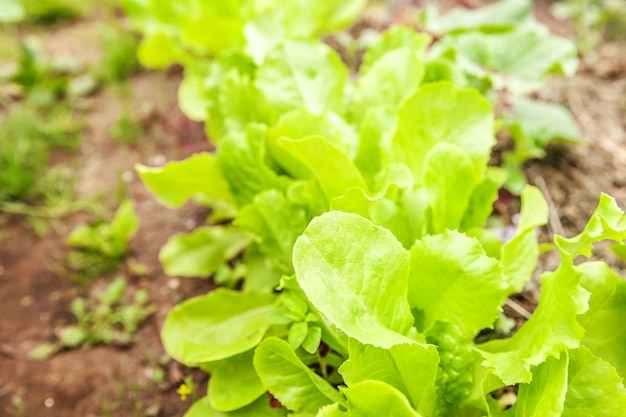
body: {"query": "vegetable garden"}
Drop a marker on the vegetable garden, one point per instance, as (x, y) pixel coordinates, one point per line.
(359, 214)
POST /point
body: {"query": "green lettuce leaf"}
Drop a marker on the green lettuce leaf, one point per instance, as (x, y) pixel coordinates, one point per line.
(242, 159)
(285, 376)
(605, 333)
(452, 280)
(519, 255)
(302, 74)
(410, 368)
(594, 388)
(315, 157)
(545, 395)
(216, 326)
(375, 399)
(449, 180)
(201, 252)
(518, 61)
(499, 16)
(275, 223)
(394, 39)
(234, 383)
(552, 328)
(355, 274)
(440, 112)
(198, 177)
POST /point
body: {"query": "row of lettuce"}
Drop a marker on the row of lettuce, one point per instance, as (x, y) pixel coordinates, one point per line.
(350, 206)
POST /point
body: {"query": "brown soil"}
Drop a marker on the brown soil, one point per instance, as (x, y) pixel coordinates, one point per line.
(105, 380)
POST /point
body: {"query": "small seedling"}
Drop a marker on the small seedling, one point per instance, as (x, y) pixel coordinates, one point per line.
(100, 247)
(104, 320)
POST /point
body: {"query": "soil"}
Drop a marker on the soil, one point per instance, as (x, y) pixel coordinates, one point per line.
(110, 381)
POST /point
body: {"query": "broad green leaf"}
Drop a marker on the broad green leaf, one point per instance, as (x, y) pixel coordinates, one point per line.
(11, 11)
(410, 368)
(302, 74)
(216, 326)
(552, 328)
(449, 180)
(261, 407)
(224, 19)
(391, 75)
(241, 157)
(534, 124)
(480, 204)
(452, 280)
(605, 333)
(315, 157)
(375, 399)
(374, 151)
(192, 98)
(594, 388)
(439, 112)
(264, 33)
(198, 177)
(201, 252)
(234, 383)
(382, 211)
(306, 19)
(518, 60)
(395, 38)
(519, 255)
(260, 275)
(499, 16)
(276, 223)
(158, 49)
(384, 208)
(230, 98)
(355, 274)
(607, 222)
(285, 376)
(299, 123)
(545, 394)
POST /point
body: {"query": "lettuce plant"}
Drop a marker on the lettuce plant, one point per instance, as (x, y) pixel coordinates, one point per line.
(351, 208)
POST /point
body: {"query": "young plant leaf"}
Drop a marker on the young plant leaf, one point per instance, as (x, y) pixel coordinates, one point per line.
(440, 112)
(519, 255)
(296, 386)
(594, 388)
(198, 177)
(201, 252)
(605, 333)
(545, 395)
(276, 223)
(216, 326)
(448, 176)
(452, 280)
(304, 74)
(410, 368)
(234, 383)
(355, 274)
(375, 399)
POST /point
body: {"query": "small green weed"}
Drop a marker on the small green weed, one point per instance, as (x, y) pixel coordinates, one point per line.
(107, 319)
(100, 247)
(126, 129)
(120, 56)
(49, 12)
(593, 19)
(25, 143)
